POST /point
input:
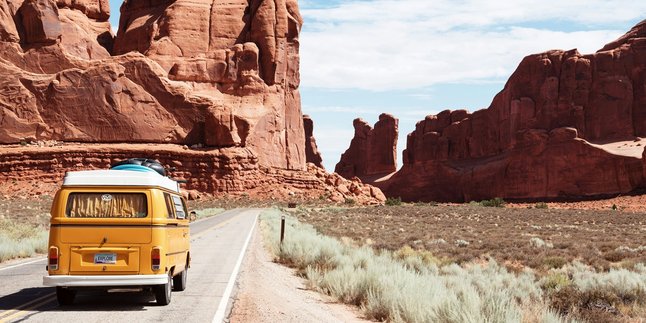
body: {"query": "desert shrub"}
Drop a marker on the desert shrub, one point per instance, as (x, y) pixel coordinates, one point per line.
(420, 261)
(541, 205)
(21, 240)
(350, 201)
(325, 196)
(565, 300)
(461, 243)
(629, 249)
(392, 201)
(555, 281)
(615, 256)
(554, 262)
(540, 243)
(495, 202)
(629, 286)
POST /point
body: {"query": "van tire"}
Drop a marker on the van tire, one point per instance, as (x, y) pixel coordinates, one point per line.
(163, 292)
(65, 296)
(179, 281)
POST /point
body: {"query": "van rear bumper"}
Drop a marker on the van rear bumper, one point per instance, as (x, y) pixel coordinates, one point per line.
(104, 280)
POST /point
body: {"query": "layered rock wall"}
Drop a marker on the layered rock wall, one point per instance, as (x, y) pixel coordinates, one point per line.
(39, 169)
(550, 133)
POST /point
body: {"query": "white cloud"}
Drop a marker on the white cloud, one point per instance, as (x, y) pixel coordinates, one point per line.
(384, 45)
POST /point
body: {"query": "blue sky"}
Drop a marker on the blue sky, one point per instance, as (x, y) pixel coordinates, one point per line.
(412, 58)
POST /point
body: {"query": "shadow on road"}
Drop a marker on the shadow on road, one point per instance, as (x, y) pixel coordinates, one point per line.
(11, 301)
(93, 300)
(86, 300)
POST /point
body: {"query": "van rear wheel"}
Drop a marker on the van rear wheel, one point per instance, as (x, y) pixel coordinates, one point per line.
(179, 281)
(65, 296)
(163, 292)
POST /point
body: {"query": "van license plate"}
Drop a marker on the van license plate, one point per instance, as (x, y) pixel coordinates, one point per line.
(105, 258)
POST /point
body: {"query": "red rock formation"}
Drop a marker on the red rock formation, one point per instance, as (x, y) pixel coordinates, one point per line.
(372, 151)
(38, 169)
(216, 73)
(312, 154)
(221, 74)
(536, 140)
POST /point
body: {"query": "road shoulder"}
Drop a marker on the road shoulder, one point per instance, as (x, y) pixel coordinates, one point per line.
(269, 292)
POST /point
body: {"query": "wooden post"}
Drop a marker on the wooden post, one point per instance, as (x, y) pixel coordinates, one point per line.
(282, 230)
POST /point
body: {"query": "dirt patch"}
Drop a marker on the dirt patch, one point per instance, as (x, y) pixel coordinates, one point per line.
(269, 292)
(536, 238)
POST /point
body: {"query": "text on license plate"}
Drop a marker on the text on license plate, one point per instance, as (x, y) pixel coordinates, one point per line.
(105, 258)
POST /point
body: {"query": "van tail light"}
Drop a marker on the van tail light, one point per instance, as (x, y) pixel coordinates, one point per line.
(53, 258)
(155, 258)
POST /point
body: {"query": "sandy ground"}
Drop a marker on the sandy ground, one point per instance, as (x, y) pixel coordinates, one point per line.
(269, 292)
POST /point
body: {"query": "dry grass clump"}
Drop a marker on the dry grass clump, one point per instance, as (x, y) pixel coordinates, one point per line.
(407, 285)
(613, 296)
(19, 240)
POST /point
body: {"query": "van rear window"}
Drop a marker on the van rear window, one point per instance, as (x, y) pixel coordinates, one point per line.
(107, 205)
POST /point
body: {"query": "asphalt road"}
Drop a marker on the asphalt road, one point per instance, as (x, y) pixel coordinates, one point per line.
(217, 246)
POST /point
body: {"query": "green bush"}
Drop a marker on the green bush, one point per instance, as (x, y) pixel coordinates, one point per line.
(555, 281)
(541, 205)
(350, 201)
(391, 201)
(554, 262)
(495, 202)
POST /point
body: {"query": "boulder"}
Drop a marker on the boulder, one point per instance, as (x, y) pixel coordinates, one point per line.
(40, 21)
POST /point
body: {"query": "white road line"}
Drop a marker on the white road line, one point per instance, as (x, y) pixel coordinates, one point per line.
(23, 264)
(222, 307)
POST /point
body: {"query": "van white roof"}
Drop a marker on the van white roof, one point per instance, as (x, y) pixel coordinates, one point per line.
(118, 178)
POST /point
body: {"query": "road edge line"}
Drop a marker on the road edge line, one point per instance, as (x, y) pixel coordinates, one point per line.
(222, 307)
(23, 263)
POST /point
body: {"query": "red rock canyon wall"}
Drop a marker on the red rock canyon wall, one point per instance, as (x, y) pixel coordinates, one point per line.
(563, 126)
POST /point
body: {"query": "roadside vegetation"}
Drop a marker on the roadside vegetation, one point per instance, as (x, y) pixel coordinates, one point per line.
(405, 282)
(21, 240)
(23, 227)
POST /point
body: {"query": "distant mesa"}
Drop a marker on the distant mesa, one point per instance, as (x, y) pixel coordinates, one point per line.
(566, 125)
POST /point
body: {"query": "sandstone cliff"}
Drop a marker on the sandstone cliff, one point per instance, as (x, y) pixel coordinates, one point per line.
(220, 77)
(215, 73)
(372, 151)
(566, 125)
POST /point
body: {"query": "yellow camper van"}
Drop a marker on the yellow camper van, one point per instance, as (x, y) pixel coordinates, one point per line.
(126, 227)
